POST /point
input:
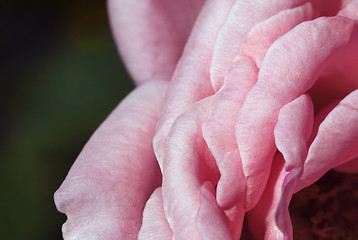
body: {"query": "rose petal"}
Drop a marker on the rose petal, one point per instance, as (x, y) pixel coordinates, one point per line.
(270, 216)
(293, 128)
(261, 219)
(261, 37)
(350, 10)
(210, 220)
(187, 164)
(106, 189)
(155, 226)
(190, 81)
(290, 68)
(336, 141)
(151, 35)
(220, 137)
(244, 15)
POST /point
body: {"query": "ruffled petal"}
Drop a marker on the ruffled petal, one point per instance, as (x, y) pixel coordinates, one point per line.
(106, 189)
(187, 165)
(155, 226)
(210, 220)
(151, 35)
(261, 37)
(293, 128)
(261, 219)
(291, 66)
(220, 137)
(243, 16)
(190, 82)
(336, 141)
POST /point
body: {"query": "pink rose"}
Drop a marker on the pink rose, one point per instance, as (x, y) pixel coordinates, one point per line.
(248, 102)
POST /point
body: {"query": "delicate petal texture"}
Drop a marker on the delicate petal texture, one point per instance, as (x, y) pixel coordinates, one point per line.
(187, 164)
(261, 219)
(151, 34)
(293, 128)
(210, 220)
(261, 37)
(155, 226)
(244, 15)
(350, 11)
(106, 189)
(190, 81)
(336, 141)
(221, 140)
(292, 69)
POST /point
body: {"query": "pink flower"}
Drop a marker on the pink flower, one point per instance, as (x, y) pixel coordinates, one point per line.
(248, 102)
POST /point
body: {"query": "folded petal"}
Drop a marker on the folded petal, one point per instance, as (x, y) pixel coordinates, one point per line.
(336, 141)
(290, 67)
(106, 189)
(220, 137)
(187, 165)
(210, 219)
(261, 37)
(350, 10)
(190, 82)
(151, 35)
(243, 17)
(293, 129)
(155, 226)
(261, 219)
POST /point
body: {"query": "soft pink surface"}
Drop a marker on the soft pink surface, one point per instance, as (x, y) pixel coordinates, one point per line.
(187, 164)
(190, 81)
(106, 189)
(154, 225)
(261, 102)
(210, 220)
(151, 34)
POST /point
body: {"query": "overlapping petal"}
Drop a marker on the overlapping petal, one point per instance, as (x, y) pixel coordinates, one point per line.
(106, 189)
(220, 137)
(154, 225)
(187, 165)
(291, 66)
(190, 82)
(210, 220)
(336, 141)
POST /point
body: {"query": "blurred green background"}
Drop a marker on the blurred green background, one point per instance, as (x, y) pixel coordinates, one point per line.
(60, 77)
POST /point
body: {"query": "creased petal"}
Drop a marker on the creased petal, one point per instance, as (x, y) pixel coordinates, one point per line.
(336, 141)
(291, 66)
(350, 10)
(220, 137)
(261, 37)
(106, 189)
(187, 164)
(190, 82)
(155, 226)
(210, 219)
(261, 219)
(293, 128)
(151, 35)
(244, 15)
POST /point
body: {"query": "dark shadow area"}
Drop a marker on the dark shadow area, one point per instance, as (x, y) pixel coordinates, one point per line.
(60, 76)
